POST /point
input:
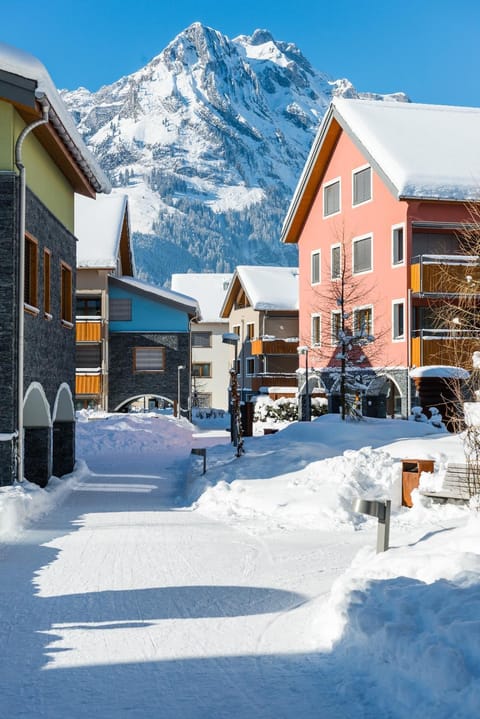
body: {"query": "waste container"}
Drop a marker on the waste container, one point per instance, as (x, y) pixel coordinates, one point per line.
(411, 471)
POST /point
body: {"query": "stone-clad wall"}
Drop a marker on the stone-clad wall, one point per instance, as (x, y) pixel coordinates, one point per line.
(49, 346)
(125, 383)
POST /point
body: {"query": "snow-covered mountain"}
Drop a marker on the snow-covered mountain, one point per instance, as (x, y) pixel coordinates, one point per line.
(208, 140)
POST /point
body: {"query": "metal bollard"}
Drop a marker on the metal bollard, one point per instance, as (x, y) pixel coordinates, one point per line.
(381, 510)
(202, 452)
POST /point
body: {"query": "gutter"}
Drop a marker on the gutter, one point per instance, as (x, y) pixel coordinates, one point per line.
(21, 279)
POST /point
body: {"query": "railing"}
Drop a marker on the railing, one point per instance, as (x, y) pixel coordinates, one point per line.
(88, 383)
(274, 347)
(445, 275)
(273, 380)
(442, 346)
(88, 330)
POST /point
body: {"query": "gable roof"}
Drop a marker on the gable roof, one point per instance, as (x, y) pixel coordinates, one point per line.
(428, 152)
(23, 81)
(157, 294)
(208, 288)
(102, 228)
(266, 287)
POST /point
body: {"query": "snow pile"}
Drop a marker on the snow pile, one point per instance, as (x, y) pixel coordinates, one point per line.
(404, 625)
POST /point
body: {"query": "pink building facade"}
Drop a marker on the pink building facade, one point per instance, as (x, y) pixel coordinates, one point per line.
(351, 217)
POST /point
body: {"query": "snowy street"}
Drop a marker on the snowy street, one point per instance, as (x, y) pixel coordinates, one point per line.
(138, 587)
(120, 603)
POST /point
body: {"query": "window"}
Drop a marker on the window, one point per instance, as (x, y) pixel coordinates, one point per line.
(201, 339)
(88, 356)
(335, 326)
(201, 369)
(397, 246)
(47, 257)
(31, 272)
(120, 309)
(331, 198)
(250, 330)
(250, 365)
(335, 262)
(66, 289)
(202, 400)
(362, 185)
(362, 254)
(88, 307)
(236, 330)
(315, 267)
(398, 320)
(149, 359)
(363, 321)
(316, 329)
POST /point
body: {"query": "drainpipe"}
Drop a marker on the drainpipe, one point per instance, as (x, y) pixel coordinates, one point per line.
(21, 276)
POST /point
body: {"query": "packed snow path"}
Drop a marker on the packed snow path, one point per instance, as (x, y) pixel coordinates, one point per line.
(121, 603)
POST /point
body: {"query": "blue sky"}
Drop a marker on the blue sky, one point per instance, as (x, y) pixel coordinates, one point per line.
(430, 49)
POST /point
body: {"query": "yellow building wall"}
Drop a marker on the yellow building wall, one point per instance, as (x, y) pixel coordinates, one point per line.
(43, 176)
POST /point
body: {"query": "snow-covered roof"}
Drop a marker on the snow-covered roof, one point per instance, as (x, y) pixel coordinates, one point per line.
(443, 371)
(189, 304)
(98, 228)
(426, 151)
(267, 288)
(18, 62)
(208, 288)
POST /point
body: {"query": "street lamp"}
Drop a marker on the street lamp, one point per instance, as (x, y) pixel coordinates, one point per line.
(179, 369)
(306, 414)
(230, 338)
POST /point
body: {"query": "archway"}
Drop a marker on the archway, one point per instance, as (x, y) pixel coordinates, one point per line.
(63, 432)
(384, 397)
(146, 403)
(38, 435)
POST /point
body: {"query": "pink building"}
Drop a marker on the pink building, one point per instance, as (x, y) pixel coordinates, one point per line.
(383, 194)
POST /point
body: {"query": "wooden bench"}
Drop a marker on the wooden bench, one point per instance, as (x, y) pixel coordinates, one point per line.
(458, 484)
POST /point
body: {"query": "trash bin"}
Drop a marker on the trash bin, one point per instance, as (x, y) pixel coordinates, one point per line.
(411, 471)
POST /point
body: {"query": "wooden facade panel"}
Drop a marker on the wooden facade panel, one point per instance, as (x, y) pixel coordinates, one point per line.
(88, 384)
(272, 347)
(88, 331)
(443, 278)
(443, 352)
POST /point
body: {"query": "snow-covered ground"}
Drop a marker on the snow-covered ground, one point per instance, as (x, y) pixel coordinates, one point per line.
(140, 587)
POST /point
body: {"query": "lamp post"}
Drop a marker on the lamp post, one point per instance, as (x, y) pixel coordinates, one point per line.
(179, 369)
(230, 338)
(306, 415)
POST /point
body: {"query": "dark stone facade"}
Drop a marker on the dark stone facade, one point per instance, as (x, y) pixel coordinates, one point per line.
(49, 345)
(124, 382)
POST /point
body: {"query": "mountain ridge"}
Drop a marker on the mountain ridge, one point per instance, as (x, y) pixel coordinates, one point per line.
(208, 140)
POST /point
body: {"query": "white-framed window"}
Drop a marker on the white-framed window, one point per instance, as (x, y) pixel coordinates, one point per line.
(398, 320)
(315, 267)
(316, 325)
(363, 320)
(335, 326)
(250, 331)
(362, 252)
(335, 262)
(361, 185)
(398, 245)
(331, 197)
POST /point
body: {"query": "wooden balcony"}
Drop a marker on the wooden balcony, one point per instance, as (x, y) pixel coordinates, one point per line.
(438, 347)
(273, 380)
(90, 384)
(88, 330)
(445, 275)
(273, 347)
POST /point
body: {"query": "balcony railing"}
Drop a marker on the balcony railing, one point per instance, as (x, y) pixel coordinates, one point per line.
(273, 380)
(275, 346)
(444, 347)
(90, 383)
(88, 330)
(445, 275)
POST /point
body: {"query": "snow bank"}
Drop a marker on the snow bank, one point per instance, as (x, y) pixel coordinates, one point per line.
(404, 625)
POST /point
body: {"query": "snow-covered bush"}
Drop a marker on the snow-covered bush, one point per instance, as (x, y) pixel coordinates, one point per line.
(285, 409)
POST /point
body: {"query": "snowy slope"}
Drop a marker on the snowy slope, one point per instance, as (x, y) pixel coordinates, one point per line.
(209, 140)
